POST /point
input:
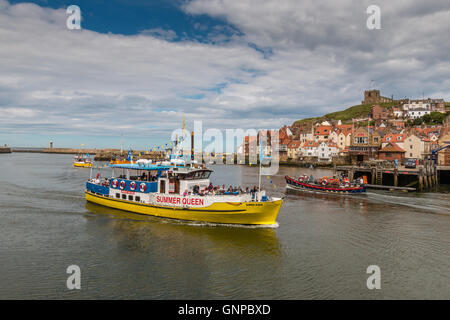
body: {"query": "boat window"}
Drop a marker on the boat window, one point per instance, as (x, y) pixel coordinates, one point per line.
(130, 198)
(138, 199)
(117, 195)
(206, 174)
(124, 196)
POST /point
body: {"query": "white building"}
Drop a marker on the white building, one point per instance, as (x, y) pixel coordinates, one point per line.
(309, 148)
(417, 113)
(326, 151)
(417, 104)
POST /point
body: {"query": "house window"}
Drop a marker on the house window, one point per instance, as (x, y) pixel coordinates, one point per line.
(360, 140)
(410, 146)
(410, 155)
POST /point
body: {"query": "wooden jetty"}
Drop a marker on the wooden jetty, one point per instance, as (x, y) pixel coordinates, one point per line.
(423, 177)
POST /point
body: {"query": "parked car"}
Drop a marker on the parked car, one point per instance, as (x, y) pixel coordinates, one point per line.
(411, 163)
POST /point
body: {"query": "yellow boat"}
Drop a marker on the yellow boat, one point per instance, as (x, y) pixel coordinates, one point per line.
(82, 162)
(184, 193)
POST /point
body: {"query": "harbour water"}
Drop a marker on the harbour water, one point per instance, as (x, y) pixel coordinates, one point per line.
(320, 249)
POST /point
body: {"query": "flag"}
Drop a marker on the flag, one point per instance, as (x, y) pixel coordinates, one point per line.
(129, 155)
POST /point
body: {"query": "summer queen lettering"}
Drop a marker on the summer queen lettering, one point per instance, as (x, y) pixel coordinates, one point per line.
(180, 200)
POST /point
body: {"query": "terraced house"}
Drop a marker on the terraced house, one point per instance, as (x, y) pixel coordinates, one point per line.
(417, 147)
(365, 143)
(293, 150)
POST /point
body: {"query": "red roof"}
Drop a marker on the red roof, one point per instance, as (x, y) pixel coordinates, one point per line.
(310, 144)
(391, 147)
(294, 144)
(322, 130)
(345, 128)
(394, 137)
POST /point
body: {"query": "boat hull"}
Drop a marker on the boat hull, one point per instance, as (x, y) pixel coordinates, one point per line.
(247, 213)
(298, 185)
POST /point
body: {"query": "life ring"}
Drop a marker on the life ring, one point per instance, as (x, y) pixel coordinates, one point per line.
(132, 185)
(142, 187)
(114, 183)
(122, 185)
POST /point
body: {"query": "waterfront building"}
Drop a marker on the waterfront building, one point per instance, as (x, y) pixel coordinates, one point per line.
(365, 143)
(416, 147)
(326, 151)
(294, 150)
(444, 155)
(397, 138)
(309, 148)
(391, 152)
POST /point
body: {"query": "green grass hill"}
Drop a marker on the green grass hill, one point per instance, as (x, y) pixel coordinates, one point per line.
(358, 111)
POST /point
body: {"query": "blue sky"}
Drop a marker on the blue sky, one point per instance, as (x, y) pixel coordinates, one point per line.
(137, 67)
(134, 16)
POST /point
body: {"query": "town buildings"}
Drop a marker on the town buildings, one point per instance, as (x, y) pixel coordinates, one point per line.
(385, 134)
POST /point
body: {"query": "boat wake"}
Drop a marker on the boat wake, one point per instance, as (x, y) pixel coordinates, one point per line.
(428, 205)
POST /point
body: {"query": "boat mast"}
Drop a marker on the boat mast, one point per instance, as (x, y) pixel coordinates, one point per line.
(260, 164)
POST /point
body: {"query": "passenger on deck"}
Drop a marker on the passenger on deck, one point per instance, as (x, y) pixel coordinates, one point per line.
(196, 189)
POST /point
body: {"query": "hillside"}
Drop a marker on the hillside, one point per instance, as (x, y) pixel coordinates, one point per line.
(358, 111)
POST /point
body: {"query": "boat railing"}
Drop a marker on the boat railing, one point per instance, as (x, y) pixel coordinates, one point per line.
(97, 188)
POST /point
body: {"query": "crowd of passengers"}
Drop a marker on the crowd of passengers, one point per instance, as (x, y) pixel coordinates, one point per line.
(210, 190)
(335, 181)
(220, 190)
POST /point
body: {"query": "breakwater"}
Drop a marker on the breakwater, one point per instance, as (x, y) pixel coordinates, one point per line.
(99, 154)
(5, 150)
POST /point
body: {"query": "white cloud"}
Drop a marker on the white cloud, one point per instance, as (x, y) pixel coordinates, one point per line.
(321, 59)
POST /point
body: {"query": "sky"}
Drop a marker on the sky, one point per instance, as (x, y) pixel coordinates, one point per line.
(136, 67)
